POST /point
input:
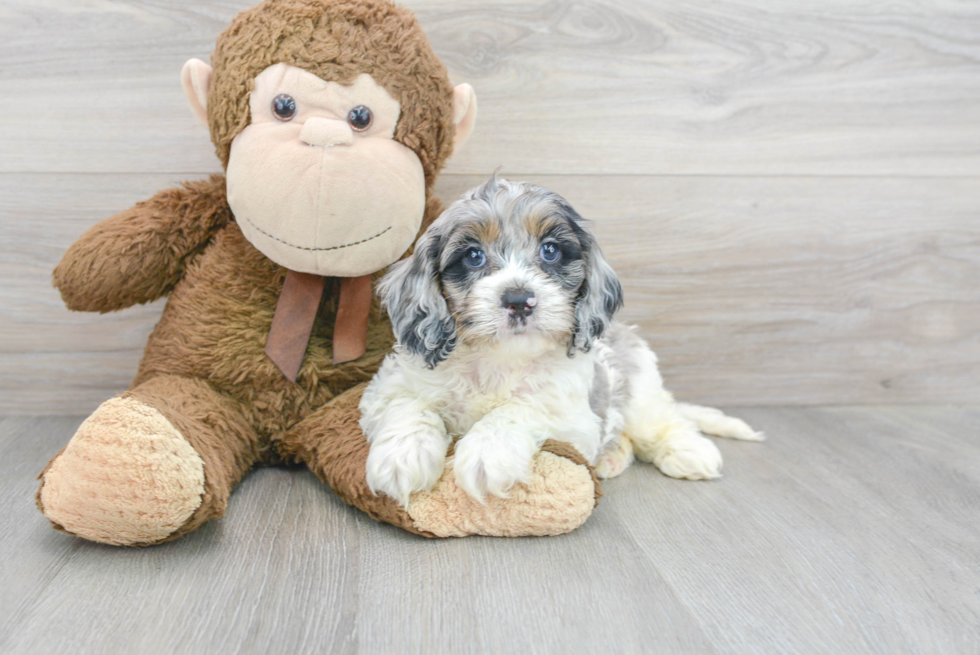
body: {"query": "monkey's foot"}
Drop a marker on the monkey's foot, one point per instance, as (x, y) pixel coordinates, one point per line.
(558, 497)
(128, 477)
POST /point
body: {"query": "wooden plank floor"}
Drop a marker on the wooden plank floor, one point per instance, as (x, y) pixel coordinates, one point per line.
(852, 530)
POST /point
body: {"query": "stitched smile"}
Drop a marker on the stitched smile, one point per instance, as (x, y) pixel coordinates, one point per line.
(292, 245)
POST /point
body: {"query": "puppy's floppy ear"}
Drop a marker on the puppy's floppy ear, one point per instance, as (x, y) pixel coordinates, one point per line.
(601, 294)
(419, 313)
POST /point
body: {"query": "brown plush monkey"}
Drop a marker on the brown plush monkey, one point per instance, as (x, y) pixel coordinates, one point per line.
(332, 119)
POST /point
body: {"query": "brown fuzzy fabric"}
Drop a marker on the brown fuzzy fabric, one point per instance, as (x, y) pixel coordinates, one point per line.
(215, 327)
(336, 40)
(213, 424)
(140, 254)
(331, 443)
(204, 367)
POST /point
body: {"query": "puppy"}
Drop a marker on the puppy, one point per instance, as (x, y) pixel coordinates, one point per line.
(505, 338)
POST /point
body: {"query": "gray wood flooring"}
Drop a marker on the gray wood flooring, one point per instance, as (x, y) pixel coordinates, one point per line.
(852, 530)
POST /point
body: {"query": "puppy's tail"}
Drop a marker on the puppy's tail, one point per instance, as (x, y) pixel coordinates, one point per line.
(716, 423)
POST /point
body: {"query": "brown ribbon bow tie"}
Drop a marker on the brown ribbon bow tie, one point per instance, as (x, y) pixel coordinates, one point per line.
(296, 311)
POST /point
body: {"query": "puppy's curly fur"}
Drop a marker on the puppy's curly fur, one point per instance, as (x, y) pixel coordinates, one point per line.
(504, 320)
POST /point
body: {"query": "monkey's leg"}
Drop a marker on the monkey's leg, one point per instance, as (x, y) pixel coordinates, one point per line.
(150, 465)
(559, 497)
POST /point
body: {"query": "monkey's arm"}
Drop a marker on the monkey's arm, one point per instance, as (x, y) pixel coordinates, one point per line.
(139, 254)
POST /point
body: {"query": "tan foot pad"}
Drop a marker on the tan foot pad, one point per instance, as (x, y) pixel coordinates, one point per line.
(127, 477)
(558, 498)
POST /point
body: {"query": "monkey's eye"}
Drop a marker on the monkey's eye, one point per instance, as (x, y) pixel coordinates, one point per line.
(284, 107)
(550, 253)
(360, 118)
(475, 258)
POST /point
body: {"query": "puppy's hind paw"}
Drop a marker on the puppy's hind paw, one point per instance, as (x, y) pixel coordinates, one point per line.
(614, 462)
(694, 459)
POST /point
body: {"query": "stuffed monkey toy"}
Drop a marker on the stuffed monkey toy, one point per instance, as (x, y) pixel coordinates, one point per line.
(331, 119)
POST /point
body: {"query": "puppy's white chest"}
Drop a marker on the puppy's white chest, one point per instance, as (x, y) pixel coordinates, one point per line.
(476, 389)
(478, 386)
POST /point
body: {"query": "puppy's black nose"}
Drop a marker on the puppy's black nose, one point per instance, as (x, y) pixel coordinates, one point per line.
(518, 302)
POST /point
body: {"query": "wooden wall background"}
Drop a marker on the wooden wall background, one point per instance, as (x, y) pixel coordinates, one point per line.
(789, 189)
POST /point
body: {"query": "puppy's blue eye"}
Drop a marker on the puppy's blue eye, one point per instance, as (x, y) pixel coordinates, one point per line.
(475, 258)
(550, 253)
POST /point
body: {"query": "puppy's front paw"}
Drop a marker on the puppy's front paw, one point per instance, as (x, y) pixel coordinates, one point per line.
(484, 463)
(401, 466)
(691, 458)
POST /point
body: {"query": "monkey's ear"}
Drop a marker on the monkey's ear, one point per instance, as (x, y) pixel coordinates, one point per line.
(464, 113)
(196, 80)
